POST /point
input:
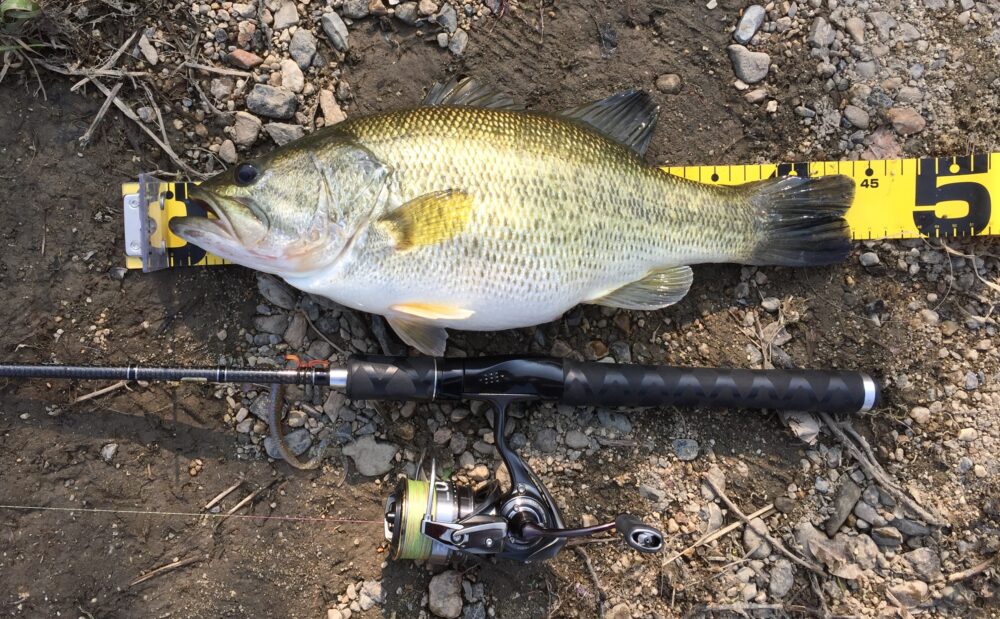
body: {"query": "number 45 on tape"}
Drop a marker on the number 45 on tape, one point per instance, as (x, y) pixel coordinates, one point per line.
(894, 199)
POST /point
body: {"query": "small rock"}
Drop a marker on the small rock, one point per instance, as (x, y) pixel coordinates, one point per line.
(148, 51)
(445, 594)
(302, 48)
(910, 528)
(887, 536)
(458, 42)
(297, 419)
(869, 259)
(756, 95)
(296, 331)
(227, 152)
(920, 415)
(906, 120)
(821, 33)
(272, 102)
(620, 611)
(971, 381)
(275, 291)
(883, 22)
(751, 67)
(285, 16)
(355, 9)
(577, 440)
(242, 59)
(859, 119)
(754, 544)
(715, 475)
(669, 83)
(407, 13)
(653, 494)
(843, 504)
(910, 594)
(372, 458)
(447, 18)
(221, 87)
(475, 610)
(291, 75)
(784, 504)
(298, 442)
(246, 128)
(336, 31)
(925, 563)
(108, 452)
(855, 27)
(771, 304)
(782, 578)
(427, 7)
(614, 421)
(332, 114)
(283, 133)
(930, 316)
(545, 440)
(711, 517)
(749, 23)
(685, 449)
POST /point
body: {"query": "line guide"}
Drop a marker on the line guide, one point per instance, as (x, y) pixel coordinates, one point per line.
(894, 199)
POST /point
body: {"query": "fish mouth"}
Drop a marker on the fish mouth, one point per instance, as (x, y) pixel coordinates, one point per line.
(218, 223)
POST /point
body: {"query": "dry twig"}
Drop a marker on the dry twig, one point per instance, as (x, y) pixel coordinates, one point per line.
(972, 571)
(601, 597)
(210, 69)
(100, 392)
(708, 538)
(775, 543)
(222, 495)
(164, 569)
(85, 138)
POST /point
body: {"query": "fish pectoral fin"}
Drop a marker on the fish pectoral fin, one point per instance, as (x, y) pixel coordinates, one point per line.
(432, 311)
(468, 92)
(660, 288)
(428, 219)
(627, 117)
(428, 339)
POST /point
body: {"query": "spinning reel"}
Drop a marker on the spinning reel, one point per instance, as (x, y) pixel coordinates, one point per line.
(437, 520)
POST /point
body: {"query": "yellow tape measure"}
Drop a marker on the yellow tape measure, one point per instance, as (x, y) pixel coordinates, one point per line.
(894, 199)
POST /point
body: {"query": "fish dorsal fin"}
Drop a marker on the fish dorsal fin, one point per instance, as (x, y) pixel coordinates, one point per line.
(468, 92)
(659, 288)
(428, 219)
(428, 339)
(627, 117)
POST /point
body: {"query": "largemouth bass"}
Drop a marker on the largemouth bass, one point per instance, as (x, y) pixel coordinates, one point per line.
(470, 213)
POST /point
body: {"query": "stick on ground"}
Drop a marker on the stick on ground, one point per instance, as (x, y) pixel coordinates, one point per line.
(164, 569)
(100, 392)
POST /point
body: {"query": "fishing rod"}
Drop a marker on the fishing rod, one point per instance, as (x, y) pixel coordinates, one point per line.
(438, 520)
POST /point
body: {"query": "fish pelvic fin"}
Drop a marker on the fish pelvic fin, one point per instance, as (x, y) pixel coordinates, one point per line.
(428, 339)
(469, 92)
(432, 311)
(428, 219)
(627, 117)
(803, 219)
(658, 289)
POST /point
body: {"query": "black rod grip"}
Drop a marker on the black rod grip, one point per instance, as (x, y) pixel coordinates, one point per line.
(831, 391)
(374, 377)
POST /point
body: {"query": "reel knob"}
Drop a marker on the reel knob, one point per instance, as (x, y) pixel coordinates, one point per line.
(638, 534)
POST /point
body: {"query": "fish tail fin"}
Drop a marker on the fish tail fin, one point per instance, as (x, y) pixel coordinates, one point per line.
(803, 221)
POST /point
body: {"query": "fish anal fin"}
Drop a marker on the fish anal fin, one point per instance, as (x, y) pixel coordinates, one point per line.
(627, 117)
(426, 338)
(469, 92)
(428, 219)
(659, 288)
(432, 311)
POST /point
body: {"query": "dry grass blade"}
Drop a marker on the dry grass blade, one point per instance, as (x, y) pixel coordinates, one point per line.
(219, 70)
(708, 538)
(86, 137)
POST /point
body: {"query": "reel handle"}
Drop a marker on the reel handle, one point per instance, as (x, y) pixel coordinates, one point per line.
(638, 534)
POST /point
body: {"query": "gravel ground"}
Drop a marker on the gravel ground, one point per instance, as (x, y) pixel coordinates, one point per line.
(889, 515)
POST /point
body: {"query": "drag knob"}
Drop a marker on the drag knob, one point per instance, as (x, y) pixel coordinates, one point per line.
(638, 534)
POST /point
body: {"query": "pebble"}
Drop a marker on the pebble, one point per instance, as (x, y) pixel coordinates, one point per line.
(148, 51)
(967, 435)
(275, 291)
(920, 415)
(447, 18)
(407, 13)
(620, 611)
(545, 440)
(576, 439)
(821, 33)
(298, 442)
(108, 452)
(615, 421)
(242, 59)
(669, 83)
(905, 120)
(272, 102)
(869, 259)
(302, 48)
(843, 504)
(782, 578)
(287, 15)
(291, 75)
(332, 114)
(427, 7)
(930, 316)
(685, 449)
(887, 536)
(372, 458)
(227, 152)
(749, 23)
(459, 41)
(855, 27)
(754, 544)
(335, 30)
(771, 304)
(784, 504)
(751, 67)
(355, 9)
(246, 128)
(925, 563)
(653, 494)
(445, 594)
(859, 119)
(910, 594)
(711, 517)
(283, 133)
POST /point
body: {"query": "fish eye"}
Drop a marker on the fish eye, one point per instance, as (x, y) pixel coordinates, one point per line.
(246, 173)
